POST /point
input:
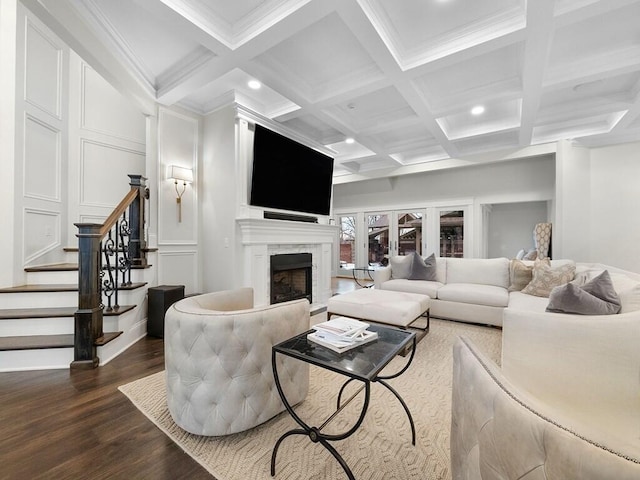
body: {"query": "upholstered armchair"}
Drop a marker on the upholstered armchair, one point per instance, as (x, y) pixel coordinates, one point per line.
(218, 361)
(500, 430)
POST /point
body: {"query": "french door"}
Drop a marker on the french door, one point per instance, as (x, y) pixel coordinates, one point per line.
(398, 232)
(369, 239)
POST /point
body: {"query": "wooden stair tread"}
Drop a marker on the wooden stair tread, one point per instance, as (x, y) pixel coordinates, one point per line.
(38, 342)
(75, 249)
(59, 288)
(53, 312)
(69, 267)
(53, 267)
(106, 338)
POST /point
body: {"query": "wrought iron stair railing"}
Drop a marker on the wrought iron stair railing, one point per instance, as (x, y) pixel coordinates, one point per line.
(106, 254)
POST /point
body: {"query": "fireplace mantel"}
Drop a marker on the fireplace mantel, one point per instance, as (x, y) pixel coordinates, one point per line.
(258, 231)
(261, 238)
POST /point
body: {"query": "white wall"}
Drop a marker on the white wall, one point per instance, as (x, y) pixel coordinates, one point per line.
(526, 180)
(8, 88)
(74, 140)
(218, 206)
(615, 206)
(521, 180)
(107, 142)
(572, 203)
(178, 253)
(42, 139)
(510, 227)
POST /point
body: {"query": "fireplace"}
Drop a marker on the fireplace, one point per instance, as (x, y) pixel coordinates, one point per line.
(291, 277)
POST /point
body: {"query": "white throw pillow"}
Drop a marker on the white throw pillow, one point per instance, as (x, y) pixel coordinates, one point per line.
(400, 266)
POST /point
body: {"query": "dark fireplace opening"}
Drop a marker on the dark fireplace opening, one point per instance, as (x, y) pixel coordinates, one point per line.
(290, 277)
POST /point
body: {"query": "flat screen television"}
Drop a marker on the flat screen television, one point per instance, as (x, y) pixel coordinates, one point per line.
(287, 175)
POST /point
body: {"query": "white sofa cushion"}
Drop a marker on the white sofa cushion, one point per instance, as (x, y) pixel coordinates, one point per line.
(483, 271)
(423, 287)
(530, 303)
(476, 294)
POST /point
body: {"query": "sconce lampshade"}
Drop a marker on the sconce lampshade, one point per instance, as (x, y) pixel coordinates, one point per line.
(179, 174)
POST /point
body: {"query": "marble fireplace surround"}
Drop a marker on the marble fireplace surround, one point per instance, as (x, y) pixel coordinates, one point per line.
(261, 238)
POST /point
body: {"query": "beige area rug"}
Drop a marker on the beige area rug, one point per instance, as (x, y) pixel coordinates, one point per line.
(380, 449)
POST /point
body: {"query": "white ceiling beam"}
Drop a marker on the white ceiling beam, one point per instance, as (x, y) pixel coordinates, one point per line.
(223, 63)
(536, 54)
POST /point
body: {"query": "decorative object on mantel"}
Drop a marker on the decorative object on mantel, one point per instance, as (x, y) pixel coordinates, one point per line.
(179, 174)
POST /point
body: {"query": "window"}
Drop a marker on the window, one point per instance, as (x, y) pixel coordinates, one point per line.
(347, 242)
(409, 232)
(452, 233)
(378, 235)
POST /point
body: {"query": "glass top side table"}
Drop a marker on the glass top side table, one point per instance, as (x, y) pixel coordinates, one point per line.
(363, 363)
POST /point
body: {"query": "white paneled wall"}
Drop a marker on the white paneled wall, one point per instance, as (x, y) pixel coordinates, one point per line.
(108, 142)
(178, 139)
(41, 145)
(179, 267)
(76, 139)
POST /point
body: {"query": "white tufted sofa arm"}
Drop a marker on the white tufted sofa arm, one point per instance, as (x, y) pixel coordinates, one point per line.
(500, 432)
(218, 361)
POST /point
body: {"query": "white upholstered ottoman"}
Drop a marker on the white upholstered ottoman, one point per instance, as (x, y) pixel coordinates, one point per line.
(398, 309)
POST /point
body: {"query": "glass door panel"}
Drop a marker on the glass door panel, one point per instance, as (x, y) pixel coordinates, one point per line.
(378, 238)
(452, 233)
(347, 243)
(409, 231)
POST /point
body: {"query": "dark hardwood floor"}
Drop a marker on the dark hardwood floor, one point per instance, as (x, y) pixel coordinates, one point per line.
(63, 424)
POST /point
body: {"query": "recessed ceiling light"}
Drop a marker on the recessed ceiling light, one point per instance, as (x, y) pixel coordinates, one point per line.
(477, 110)
(349, 140)
(254, 84)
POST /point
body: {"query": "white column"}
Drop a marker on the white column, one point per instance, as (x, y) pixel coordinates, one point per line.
(8, 257)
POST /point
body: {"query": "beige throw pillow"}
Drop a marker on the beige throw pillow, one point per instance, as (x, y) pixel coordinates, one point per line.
(545, 277)
(519, 274)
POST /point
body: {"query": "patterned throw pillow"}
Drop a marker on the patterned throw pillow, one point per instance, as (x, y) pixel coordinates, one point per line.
(545, 277)
(520, 275)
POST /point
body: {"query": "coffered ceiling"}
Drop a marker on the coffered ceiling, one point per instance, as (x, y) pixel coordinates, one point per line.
(400, 78)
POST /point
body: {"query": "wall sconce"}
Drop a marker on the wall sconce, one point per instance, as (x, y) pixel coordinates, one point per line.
(179, 174)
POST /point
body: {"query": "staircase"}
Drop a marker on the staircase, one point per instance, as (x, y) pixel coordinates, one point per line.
(46, 322)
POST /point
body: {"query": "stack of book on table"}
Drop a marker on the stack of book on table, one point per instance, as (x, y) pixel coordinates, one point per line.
(341, 334)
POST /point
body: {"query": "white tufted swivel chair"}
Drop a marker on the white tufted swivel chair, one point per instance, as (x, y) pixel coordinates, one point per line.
(218, 361)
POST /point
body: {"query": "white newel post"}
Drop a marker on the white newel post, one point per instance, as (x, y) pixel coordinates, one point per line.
(262, 238)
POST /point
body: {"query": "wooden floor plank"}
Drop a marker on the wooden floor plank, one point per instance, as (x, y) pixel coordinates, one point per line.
(71, 424)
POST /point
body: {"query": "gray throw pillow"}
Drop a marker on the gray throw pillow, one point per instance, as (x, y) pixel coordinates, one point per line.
(602, 287)
(400, 266)
(595, 298)
(423, 269)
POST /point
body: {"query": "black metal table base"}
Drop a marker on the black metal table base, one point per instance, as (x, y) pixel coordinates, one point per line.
(316, 435)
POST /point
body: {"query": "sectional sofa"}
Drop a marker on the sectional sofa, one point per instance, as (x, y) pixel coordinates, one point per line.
(565, 400)
(480, 290)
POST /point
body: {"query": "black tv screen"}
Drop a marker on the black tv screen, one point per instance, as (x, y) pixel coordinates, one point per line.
(288, 175)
